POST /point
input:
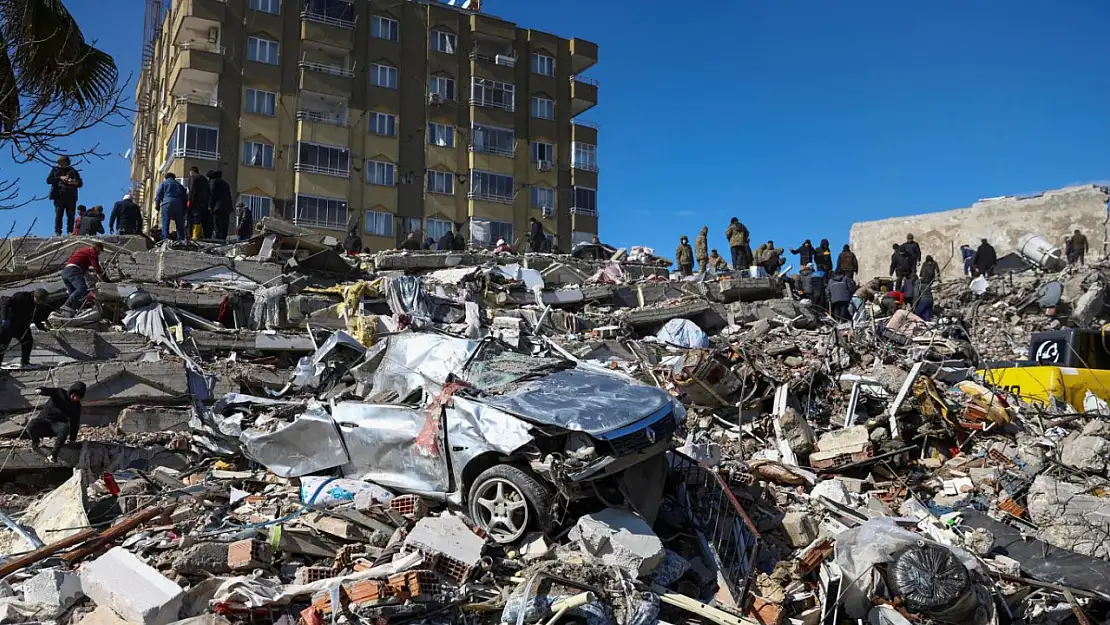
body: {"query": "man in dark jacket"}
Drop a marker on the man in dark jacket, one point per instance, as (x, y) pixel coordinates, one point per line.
(535, 235)
(92, 223)
(221, 206)
(985, 258)
(840, 295)
(847, 263)
(446, 242)
(64, 182)
(197, 205)
(914, 250)
(127, 216)
(930, 271)
(804, 252)
(59, 418)
(812, 286)
(410, 243)
(740, 244)
(822, 257)
(353, 243)
(460, 241)
(1076, 248)
(684, 257)
(901, 265)
(967, 254)
(17, 313)
(244, 221)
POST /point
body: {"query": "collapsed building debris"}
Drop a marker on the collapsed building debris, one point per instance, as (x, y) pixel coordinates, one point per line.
(274, 432)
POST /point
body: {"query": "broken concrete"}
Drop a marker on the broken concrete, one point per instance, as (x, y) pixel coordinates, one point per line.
(58, 589)
(145, 419)
(131, 588)
(620, 538)
(1069, 518)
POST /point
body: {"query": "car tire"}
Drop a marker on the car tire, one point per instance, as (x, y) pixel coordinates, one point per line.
(495, 502)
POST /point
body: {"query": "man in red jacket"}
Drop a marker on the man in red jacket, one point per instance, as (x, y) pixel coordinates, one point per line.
(73, 274)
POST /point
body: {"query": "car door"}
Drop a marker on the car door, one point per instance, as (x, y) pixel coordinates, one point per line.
(386, 446)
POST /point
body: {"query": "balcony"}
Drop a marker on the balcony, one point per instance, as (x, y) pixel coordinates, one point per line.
(503, 60)
(337, 21)
(195, 153)
(492, 27)
(489, 196)
(306, 168)
(196, 69)
(193, 18)
(194, 109)
(493, 149)
(583, 55)
(331, 31)
(494, 103)
(326, 78)
(318, 117)
(329, 128)
(583, 94)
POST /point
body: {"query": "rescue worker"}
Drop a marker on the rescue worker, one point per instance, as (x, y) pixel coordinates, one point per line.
(737, 235)
(716, 263)
(459, 244)
(812, 286)
(64, 182)
(220, 207)
(197, 205)
(862, 297)
(805, 253)
(822, 257)
(535, 235)
(244, 221)
(502, 247)
(701, 249)
(839, 291)
(353, 243)
(892, 301)
(967, 254)
(73, 274)
(446, 242)
(684, 257)
(914, 250)
(930, 271)
(410, 243)
(170, 200)
(923, 304)
(901, 265)
(17, 313)
(81, 212)
(92, 223)
(1077, 248)
(847, 263)
(59, 418)
(985, 258)
(126, 216)
(770, 258)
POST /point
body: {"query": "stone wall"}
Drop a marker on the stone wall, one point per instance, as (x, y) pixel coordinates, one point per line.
(1002, 221)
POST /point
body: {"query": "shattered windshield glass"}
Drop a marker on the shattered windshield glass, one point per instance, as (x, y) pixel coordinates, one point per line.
(495, 368)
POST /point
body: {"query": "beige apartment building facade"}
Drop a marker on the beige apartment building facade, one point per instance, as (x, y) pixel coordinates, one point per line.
(386, 116)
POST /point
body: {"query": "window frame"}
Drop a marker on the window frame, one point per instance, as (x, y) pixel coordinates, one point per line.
(437, 224)
(337, 224)
(435, 129)
(538, 146)
(250, 146)
(538, 59)
(499, 192)
(536, 201)
(434, 182)
(484, 130)
(451, 37)
(392, 120)
(375, 73)
(178, 144)
(258, 48)
(258, 93)
(276, 4)
(343, 156)
(584, 156)
(371, 168)
(447, 92)
(386, 219)
(538, 100)
(586, 210)
(376, 23)
(480, 87)
(249, 200)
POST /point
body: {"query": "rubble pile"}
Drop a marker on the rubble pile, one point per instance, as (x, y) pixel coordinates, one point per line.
(275, 432)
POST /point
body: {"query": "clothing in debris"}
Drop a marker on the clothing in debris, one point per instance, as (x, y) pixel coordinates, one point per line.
(126, 216)
(64, 182)
(684, 257)
(17, 313)
(701, 248)
(59, 417)
(822, 257)
(805, 252)
(170, 200)
(846, 262)
(985, 258)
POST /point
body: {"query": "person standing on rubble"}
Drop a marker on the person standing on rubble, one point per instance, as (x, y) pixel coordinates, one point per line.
(967, 254)
(840, 296)
(197, 204)
(17, 313)
(170, 199)
(81, 212)
(220, 206)
(701, 249)
(901, 265)
(64, 182)
(847, 263)
(716, 263)
(60, 418)
(536, 237)
(737, 235)
(812, 286)
(460, 242)
(244, 221)
(410, 243)
(914, 251)
(770, 258)
(92, 223)
(73, 275)
(804, 252)
(985, 258)
(446, 242)
(127, 216)
(1076, 248)
(930, 271)
(353, 243)
(860, 299)
(822, 257)
(923, 303)
(684, 257)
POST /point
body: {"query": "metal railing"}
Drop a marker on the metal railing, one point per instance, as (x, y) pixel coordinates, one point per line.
(586, 124)
(308, 168)
(579, 210)
(584, 166)
(504, 60)
(203, 46)
(320, 18)
(320, 223)
(585, 80)
(321, 118)
(509, 106)
(489, 197)
(492, 149)
(324, 68)
(210, 155)
(196, 99)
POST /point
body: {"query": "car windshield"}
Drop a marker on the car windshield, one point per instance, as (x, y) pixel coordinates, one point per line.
(495, 367)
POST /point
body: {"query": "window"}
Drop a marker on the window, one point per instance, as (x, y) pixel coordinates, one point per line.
(385, 28)
(262, 50)
(543, 108)
(383, 76)
(411, 224)
(543, 197)
(486, 185)
(491, 93)
(379, 224)
(493, 140)
(442, 85)
(333, 12)
(441, 182)
(260, 206)
(189, 140)
(585, 156)
(444, 42)
(436, 228)
(543, 64)
(441, 135)
(323, 159)
(321, 211)
(266, 6)
(260, 102)
(585, 200)
(543, 152)
(257, 154)
(384, 124)
(487, 231)
(381, 172)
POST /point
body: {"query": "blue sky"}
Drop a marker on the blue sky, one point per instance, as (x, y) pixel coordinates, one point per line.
(797, 117)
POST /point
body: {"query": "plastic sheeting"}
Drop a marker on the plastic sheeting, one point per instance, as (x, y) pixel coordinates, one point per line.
(340, 348)
(406, 295)
(311, 443)
(683, 333)
(530, 277)
(266, 311)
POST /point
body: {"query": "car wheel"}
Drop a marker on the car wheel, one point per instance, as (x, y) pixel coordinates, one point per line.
(506, 500)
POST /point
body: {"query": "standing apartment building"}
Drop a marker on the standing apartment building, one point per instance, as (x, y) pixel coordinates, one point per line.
(389, 116)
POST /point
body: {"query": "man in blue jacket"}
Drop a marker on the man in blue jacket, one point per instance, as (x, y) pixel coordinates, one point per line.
(170, 199)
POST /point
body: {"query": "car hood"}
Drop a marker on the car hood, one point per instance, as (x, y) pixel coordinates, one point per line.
(581, 400)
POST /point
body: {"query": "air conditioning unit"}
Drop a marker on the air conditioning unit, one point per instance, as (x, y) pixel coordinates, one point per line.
(548, 211)
(435, 98)
(544, 166)
(506, 60)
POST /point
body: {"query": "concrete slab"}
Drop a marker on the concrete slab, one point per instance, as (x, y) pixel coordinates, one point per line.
(112, 383)
(144, 419)
(59, 515)
(162, 265)
(53, 587)
(621, 538)
(131, 588)
(447, 535)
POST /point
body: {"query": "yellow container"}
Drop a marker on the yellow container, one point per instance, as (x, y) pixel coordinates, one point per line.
(1037, 384)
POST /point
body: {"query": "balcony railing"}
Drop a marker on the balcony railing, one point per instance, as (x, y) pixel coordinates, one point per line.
(584, 166)
(489, 103)
(497, 59)
(308, 168)
(203, 46)
(209, 155)
(320, 18)
(196, 99)
(586, 124)
(585, 80)
(321, 223)
(321, 118)
(579, 210)
(493, 149)
(332, 70)
(489, 196)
